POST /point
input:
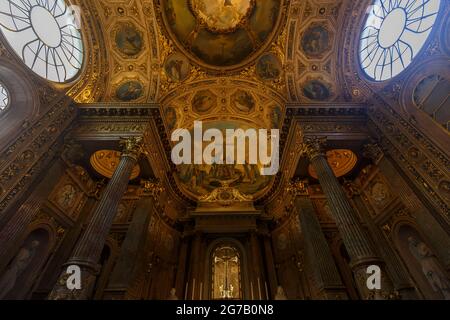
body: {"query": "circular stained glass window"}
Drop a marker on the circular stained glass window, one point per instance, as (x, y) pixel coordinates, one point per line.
(393, 35)
(4, 97)
(45, 34)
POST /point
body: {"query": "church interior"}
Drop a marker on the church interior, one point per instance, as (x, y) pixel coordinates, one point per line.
(92, 92)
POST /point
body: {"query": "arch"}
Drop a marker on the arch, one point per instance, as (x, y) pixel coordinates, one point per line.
(419, 259)
(438, 66)
(45, 36)
(24, 268)
(23, 104)
(208, 277)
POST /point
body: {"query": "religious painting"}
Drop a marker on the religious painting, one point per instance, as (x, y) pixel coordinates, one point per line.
(66, 197)
(203, 179)
(24, 267)
(268, 67)
(129, 40)
(315, 41)
(171, 118)
(243, 101)
(204, 101)
(222, 15)
(316, 90)
(221, 33)
(226, 273)
(130, 90)
(177, 67)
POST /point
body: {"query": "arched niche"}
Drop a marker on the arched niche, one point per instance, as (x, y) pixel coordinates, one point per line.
(22, 271)
(215, 250)
(106, 262)
(422, 263)
(23, 104)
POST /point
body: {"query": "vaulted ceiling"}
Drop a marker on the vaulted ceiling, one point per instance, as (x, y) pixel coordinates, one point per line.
(229, 63)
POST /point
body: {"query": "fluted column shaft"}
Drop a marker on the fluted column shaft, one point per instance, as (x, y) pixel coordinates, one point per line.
(317, 249)
(180, 280)
(352, 233)
(88, 250)
(256, 258)
(430, 227)
(90, 246)
(270, 265)
(347, 223)
(399, 275)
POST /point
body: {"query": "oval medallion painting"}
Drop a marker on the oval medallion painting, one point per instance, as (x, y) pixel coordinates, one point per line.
(221, 33)
(129, 91)
(316, 90)
(129, 40)
(177, 67)
(268, 67)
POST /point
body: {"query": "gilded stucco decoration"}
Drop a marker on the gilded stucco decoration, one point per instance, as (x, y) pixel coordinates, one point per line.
(131, 39)
(89, 87)
(311, 55)
(221, 34)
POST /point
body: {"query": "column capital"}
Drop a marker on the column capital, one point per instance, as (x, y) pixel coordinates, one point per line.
(373, 151)
(314, 146)
(298, 187)
(131, 147)
(151, 188)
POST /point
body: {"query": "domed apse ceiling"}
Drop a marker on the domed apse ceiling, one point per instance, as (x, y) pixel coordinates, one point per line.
(274, 52)
(221, 33)
(223, 106)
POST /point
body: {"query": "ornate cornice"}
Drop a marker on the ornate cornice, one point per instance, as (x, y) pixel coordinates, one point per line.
(326, 110)
(114, 110)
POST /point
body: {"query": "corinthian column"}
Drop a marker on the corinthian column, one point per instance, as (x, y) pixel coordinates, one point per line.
(399, 276)
(317, 250)
(353, 235)
(426, 221)
(89, 248)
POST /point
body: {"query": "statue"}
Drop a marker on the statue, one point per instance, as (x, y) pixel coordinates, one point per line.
(173, 294)
(431, 267)
(17, 267)
(281, 295)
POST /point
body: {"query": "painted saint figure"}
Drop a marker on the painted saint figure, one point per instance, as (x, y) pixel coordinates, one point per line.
(17, 267)
(431, 267)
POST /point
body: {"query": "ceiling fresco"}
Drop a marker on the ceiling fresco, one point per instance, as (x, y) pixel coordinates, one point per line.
(229, 63)
(221, 33)
(199, 180)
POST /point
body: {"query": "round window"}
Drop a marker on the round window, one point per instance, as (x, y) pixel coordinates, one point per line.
(393, 35)
(45, 34)
(4, 97)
